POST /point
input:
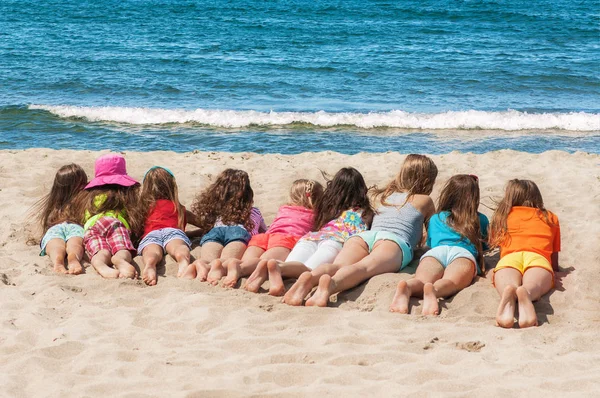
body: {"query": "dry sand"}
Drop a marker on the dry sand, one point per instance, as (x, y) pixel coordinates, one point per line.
(86, 336)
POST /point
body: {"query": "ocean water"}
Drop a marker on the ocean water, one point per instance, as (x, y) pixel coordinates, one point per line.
(294, 76)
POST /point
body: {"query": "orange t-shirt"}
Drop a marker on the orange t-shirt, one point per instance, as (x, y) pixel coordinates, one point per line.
(528, 231)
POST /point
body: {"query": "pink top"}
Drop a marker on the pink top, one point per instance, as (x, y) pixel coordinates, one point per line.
(292, 220)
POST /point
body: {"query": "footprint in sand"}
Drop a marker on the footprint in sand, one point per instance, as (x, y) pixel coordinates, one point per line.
(471, 346)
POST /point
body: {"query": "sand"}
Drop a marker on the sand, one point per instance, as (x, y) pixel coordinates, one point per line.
(86, 336)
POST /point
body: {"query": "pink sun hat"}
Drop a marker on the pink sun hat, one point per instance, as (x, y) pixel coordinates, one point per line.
(111, 169)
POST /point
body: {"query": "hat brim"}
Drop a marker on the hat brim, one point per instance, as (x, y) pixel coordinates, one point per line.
(123, 180)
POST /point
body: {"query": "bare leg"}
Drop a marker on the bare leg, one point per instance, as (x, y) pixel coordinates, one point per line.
(507, 280)
(428, 271)
(211, 251)
(258, 277)
(56, 250)
(536, 282)
(100, 261)
(385, 257)
(233, 250)
(151, 255)
(180, 251)
(75, 255)
(122, 261)
(354, 250)
(457, 276)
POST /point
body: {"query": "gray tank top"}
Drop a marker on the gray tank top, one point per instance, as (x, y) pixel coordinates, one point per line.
(406, 222)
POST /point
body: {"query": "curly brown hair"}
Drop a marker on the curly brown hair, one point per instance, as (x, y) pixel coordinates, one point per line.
(63, 203)
(229, 198)
(347, 190)
(158, 184)
(460, 197)
(118, 198)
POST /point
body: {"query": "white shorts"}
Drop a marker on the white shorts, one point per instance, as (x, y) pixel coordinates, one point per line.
(314, 253)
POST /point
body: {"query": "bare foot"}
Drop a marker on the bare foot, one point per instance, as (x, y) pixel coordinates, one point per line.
(59, 268)
(430, 301)
(202, 269)
(295, 296)
(105, 271)
(258, 277)
(505, 317)
(233, 274)
(321, 296)
(190, 272)
(75, 267)
(216, 272)
(527, 315)
(276, 286)
(401, 298)
(183, 268)
(149, 275)
(126, 270)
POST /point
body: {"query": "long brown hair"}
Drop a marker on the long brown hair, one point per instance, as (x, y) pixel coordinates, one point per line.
(62, 203)
(229, 198)
(517, 193)
(118, 198)
(345, 191)
(158, 184)
(416, 177)
(305, 193)
(460, 197)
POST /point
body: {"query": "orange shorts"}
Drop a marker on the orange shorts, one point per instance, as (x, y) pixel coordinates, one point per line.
(267, 241)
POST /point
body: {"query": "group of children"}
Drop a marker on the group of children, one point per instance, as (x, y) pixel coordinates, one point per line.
(332, 238)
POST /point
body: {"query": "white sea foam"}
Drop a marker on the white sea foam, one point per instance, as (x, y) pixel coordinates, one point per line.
(508, 120)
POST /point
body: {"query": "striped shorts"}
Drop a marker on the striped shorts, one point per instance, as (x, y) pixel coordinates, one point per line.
(162, 237)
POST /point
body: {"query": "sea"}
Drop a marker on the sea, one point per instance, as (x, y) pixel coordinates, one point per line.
(291, 76)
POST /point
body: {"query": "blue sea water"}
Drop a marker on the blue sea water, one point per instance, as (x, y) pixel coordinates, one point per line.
(294, 76)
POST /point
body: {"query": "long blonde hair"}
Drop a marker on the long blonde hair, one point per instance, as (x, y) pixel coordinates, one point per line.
(517, 193)
(63, 203)
(416, 177)
(159, 183)
(305, 193)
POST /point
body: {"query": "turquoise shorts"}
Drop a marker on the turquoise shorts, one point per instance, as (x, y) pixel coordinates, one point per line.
(372, 237)
(64, 231)
(447, 254)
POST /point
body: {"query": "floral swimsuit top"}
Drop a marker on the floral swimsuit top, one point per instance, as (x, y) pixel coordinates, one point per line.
(340, 229)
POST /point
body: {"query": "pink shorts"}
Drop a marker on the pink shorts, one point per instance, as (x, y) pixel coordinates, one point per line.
(107, 233)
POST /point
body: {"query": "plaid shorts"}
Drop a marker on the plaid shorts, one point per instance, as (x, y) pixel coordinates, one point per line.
(107, 233)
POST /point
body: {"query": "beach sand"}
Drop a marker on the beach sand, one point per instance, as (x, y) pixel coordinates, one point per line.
(87, 336)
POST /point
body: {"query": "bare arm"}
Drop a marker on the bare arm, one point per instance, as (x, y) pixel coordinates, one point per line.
(193, 220)
(555, 262)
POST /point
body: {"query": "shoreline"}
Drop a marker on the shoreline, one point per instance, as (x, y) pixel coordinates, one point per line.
(186, 337)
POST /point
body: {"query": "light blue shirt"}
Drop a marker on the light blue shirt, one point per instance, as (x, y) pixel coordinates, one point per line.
(439, 233)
